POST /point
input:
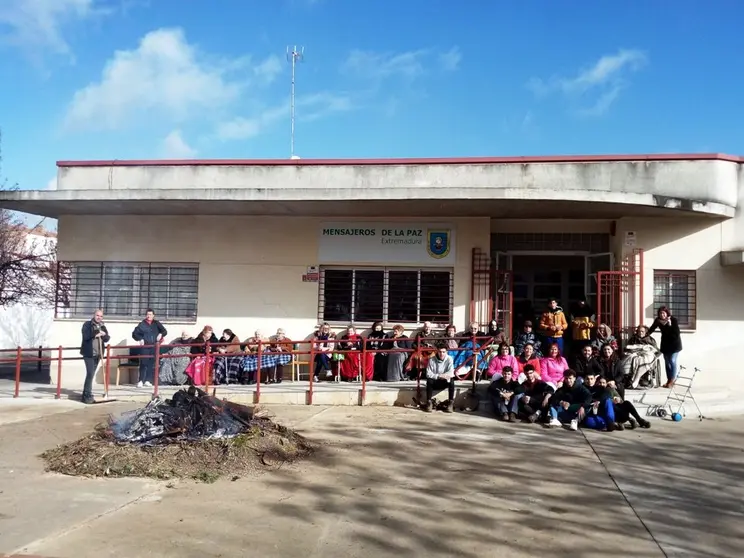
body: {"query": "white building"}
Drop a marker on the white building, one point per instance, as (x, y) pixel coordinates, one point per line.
(236, 244)
(29, 324)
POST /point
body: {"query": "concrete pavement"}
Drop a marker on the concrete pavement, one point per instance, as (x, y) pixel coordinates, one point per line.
(396, 481)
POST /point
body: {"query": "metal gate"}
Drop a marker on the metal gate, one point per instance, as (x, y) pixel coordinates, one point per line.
(491, 293)
(619, 294)
(620, 297)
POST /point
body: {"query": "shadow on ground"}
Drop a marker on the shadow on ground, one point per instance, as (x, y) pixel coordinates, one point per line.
(400, 482)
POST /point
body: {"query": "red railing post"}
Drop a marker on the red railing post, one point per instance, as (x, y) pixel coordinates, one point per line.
(58, 394)
(207, 371)
(475, 361)
(259, 356)
(156, 372)
(19, 356)
(312, 374)
(107, 372)
(363, 366)
(417, 360)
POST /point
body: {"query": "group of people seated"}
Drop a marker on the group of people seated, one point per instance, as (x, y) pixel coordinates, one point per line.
(591, 400)
(207, 358)
(590, 353)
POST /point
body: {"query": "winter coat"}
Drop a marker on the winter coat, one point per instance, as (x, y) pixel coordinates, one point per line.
(553, 318)
(498, 363)
(552, 369)
(671, 337)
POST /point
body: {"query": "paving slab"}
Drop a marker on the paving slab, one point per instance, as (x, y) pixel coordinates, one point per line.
(396, 481)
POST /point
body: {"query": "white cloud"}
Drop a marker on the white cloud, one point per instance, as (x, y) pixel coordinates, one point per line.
(52, 184)
(269, 69)
(308, 108)
(175, 147)
(372, 65)
(378, 66)
(164, 78)
(450, 60)
(604, 80)
(38, 25)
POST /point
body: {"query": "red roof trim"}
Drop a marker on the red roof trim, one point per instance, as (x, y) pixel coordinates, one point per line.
(412, 161)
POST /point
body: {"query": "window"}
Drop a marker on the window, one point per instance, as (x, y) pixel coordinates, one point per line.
(126, 290)
(677, 291)
(391, 295)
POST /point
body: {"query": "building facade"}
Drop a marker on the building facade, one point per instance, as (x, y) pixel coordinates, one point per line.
(250, 245)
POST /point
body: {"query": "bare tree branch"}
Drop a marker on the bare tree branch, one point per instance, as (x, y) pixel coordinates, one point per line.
(28, 269)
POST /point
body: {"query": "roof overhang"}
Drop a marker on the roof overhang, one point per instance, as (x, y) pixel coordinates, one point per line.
(352, 202)
(731, 258)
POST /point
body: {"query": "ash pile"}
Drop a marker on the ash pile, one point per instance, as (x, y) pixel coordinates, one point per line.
(190, 415)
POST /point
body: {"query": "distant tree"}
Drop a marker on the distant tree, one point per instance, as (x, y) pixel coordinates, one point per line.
(28, 269)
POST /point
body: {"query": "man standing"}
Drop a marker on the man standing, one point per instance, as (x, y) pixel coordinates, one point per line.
(440, 374)
(147, 333)
(553, 324)
(95, 336)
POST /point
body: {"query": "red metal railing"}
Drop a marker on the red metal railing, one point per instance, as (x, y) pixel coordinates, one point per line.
(422, 350)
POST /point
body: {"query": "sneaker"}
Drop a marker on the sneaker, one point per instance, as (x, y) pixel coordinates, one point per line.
(505, 417)
(88, 400)
(532, 419)
(611, 427)
(315, 379)
(619, 426)
(450, 408)
(139, 384)
(554, 422)
(148, 384)
(632, 424)
(512, 417)
(429, 407)
(574, 425)
(645, 424)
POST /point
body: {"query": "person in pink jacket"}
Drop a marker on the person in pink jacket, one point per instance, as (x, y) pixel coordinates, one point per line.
(553, 366)
(503, 358)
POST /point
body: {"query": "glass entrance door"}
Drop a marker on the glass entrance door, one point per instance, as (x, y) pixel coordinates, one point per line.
(595, 263)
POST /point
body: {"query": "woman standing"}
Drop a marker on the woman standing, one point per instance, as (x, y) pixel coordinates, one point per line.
(671, 342)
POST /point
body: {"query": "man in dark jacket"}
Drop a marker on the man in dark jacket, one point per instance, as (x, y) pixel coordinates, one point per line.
(147, 333)
(601, 414)
(569, 403)
(95, 336)
(535, 400)
(505, 393)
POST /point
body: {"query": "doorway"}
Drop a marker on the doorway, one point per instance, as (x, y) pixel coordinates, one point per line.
(537, 278)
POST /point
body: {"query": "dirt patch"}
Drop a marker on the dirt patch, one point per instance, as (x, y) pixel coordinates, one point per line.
(193, 436)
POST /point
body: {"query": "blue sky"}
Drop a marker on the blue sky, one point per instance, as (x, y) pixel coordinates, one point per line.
(137, 79)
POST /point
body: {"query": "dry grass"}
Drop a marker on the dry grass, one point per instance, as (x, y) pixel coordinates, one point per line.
(265, 445)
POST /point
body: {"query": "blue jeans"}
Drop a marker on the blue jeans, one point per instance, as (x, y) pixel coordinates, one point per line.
(548, 341)
(501, 407)
(670, 362)
(562, 414)
(605, 415)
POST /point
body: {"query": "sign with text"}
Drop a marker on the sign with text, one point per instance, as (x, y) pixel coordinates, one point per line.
(312, 275)
(382, 243)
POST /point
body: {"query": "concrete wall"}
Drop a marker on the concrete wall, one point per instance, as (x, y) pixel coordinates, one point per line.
(733, 229)
(250, 267)
(694, 244)
(688, 244)
(704, 185)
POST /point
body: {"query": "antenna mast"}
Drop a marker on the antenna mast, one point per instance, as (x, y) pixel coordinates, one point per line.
(294, 55)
